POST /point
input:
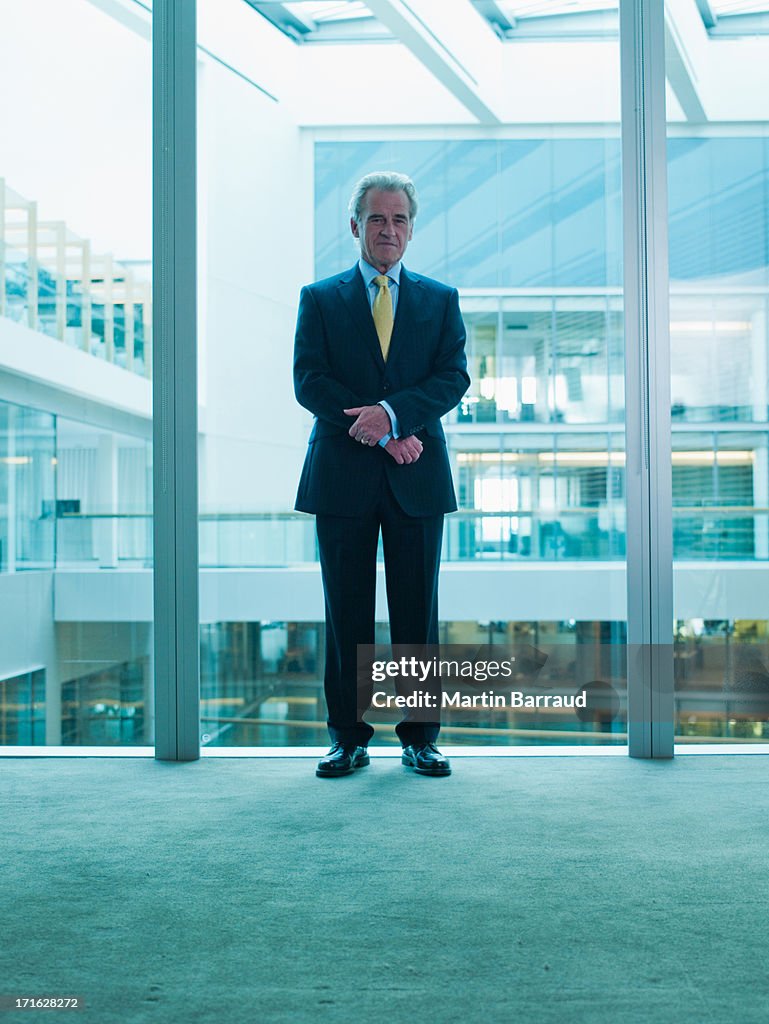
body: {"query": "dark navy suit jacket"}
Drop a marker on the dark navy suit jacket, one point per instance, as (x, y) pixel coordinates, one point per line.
(338, 365)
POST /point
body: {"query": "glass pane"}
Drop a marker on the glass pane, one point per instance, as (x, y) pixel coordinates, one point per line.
(76, 395)
(718, 173)
(523, 217)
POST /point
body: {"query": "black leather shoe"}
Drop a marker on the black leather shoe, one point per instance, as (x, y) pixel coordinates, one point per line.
(426, 760)
(342, 760)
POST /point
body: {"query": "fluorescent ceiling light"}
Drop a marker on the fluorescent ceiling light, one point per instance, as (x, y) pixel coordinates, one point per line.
(722, 458)
(488, 457)
(710, 326)
(582, 458)
(597, 459)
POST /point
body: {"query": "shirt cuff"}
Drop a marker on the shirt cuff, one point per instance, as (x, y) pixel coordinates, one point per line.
(393, 418)
(383, 441)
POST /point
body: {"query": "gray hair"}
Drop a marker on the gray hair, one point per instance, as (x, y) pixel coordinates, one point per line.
(387, 181)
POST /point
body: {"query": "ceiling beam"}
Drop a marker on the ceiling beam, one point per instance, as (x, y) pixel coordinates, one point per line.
(686, 43)
(136, 16)
(706, 11)
(494, 14)
(292, 24)
(740, 25)
(456, 45)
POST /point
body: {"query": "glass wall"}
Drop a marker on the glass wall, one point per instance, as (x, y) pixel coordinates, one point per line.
(75, 369)
(526, 223)
(22, 709)
(262, 685)
(718, 180)
(27, 488)
(104, 498)
(556, 358)
(520, 210)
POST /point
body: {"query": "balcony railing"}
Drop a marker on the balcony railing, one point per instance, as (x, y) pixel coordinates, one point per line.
(52, 282)
(269, 540)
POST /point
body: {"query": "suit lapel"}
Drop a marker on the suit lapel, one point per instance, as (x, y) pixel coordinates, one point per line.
(353, 292)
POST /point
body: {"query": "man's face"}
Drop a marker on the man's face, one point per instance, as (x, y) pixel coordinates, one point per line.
(385, 228)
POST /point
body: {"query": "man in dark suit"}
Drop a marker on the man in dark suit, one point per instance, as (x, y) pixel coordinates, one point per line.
(379, 358)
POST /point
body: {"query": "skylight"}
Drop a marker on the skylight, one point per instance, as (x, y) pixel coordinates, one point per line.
(735, 18)
(322, 21)
(724, 7)
(324, 11)
(552, 8)
(351, 21)
(556, 19)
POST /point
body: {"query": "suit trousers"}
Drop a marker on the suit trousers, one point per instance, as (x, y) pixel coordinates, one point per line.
(348, 551)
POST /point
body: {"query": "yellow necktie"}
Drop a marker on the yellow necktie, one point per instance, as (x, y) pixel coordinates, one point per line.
(383, 313)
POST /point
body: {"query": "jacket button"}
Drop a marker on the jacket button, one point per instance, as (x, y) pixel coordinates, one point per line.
(385, 387)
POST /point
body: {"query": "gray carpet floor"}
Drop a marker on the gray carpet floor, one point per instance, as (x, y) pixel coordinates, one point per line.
(551, 890)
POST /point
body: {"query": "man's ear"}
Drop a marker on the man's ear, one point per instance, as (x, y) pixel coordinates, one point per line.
(354, 228)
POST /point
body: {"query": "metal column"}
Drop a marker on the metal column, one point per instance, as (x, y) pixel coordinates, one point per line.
(176, 643)
(647, 381)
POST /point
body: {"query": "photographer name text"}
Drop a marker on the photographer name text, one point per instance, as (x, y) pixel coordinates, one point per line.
(484, 699)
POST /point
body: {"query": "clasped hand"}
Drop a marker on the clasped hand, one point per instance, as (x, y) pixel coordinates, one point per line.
(371, 425)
